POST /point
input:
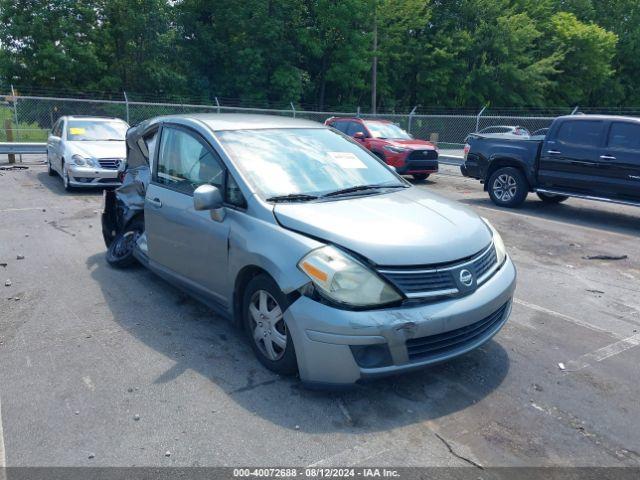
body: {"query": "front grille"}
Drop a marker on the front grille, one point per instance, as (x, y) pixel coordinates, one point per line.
(419, 282)
(110, 163)
(423, 155)
(424, 348)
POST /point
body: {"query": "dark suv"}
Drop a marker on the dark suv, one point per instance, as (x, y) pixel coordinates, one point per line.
(392, 144)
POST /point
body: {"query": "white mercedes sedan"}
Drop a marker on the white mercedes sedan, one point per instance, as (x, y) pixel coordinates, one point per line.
(87, 151)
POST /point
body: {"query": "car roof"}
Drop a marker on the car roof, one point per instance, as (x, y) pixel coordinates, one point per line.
(599, 117)
(240, 121)
(92, 118)
(378, 120)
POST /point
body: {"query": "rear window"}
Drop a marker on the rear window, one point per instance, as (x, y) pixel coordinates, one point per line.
(580, 132)
(624, 135)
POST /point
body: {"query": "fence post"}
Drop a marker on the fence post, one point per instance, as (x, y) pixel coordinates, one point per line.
(15, 114)
(9, 132)
(478, 117)
(358, 113)
(293, 109)
(217, 104)
(411, 114)
(126, 103)
(575, 110)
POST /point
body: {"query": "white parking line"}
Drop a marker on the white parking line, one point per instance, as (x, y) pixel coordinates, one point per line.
(603, 353)
(3, 459)
(573, 320)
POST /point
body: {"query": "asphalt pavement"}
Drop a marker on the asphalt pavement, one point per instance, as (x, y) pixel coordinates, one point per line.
(107, 367)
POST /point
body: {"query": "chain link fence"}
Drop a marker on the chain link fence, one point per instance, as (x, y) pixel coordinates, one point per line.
(30, 118)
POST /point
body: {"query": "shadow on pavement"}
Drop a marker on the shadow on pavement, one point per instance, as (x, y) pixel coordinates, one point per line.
(586, 214)
(54, 184)
(177, 327)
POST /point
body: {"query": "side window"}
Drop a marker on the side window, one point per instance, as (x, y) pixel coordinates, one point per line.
(147, 144)
(580, 133)
(340, 125)
(185, 162)
(625, 136)
(57, 129)
(233, 194)
(354, 127)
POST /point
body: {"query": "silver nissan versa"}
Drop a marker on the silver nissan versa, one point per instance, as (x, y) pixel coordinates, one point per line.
(335, 266)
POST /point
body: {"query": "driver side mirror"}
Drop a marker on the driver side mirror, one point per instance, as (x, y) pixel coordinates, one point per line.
(359, 136)
(208, 197)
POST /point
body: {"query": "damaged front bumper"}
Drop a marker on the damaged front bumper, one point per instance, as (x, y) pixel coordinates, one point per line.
(339, 347)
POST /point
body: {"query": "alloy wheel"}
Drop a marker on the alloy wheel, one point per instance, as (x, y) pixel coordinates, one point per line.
(505, 187)
(269, 331)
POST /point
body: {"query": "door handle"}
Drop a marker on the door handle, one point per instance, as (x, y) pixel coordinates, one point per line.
(553, 152)
(607, 157)
(155, 202)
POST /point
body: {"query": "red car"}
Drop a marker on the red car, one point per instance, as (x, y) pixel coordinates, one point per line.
(392, 144)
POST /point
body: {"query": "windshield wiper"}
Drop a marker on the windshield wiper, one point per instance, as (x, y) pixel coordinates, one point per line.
(293, 197)
(359, 188)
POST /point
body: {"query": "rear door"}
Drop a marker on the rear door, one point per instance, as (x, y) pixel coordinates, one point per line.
(570, 157)
(622, 159)
(185, 243)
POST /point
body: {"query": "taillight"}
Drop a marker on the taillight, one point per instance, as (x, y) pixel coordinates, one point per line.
(467, 147)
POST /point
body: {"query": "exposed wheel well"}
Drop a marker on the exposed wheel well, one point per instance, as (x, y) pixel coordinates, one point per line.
(500, 163)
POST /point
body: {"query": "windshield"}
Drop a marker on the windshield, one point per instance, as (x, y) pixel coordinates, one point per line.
(91, 131)
(387, 130)
(314, 161)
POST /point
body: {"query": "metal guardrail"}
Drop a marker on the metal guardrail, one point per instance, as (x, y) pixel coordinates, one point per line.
(17, 148)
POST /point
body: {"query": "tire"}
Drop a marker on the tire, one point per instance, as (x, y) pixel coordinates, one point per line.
(551, 198)
(508, 187)
(65, 179)
(120, 251)
(420, 177)
(50, 169)
(268, 335)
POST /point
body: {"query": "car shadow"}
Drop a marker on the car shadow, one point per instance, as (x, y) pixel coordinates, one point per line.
(195, 339)
(54, 185)
(585, 214)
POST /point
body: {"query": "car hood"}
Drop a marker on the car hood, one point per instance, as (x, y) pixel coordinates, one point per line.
(406, 227)
(98, 149)
(413, 144)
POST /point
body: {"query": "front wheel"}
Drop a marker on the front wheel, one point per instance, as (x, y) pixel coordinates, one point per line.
(50, 169)
(551, 197)
(263, 310)
(508, 187)
(120, 251)
(420, 177)
(65, 179)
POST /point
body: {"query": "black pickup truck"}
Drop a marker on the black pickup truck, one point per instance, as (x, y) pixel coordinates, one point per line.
(586, 156)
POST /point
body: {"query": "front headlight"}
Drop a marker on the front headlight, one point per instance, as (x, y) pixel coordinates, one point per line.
(501, 250)
(392, 149)
(345, 280)
(81, 161)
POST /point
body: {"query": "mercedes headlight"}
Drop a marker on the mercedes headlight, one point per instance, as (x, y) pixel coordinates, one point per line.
(345, 280)
(501, 250)
(83, 161)
(393, 149)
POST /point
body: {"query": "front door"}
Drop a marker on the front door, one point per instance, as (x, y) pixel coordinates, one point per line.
(185, 243)
(570, 159)
(622, 155)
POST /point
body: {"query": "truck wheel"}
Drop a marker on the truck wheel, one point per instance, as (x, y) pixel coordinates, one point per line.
(420, 177)
(120, 251)
(508, 187)
(551, 198)
(263, 308)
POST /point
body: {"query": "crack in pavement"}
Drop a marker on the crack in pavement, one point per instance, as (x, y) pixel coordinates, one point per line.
(456, 454)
